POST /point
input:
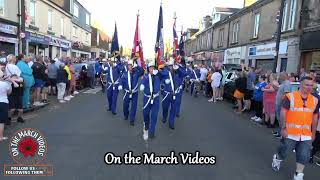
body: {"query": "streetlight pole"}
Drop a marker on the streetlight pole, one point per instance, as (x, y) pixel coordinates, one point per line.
(278, 37)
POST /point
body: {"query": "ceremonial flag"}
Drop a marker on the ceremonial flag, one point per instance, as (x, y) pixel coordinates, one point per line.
(175, 41)
(181, 45)
(115, 44)
(159, 48)
(137, 50)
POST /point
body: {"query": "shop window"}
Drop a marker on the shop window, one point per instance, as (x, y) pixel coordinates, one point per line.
(76, 10)
(50, 20)
(32, 12)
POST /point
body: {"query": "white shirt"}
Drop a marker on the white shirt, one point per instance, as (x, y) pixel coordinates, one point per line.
(12, 69)
(203, 73)
(216, 78)
(4, 88)
(3, 59)
(30, 64)
(299, 137)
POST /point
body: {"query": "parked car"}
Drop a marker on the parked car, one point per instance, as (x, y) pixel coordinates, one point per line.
(230, 85)
(231, 67)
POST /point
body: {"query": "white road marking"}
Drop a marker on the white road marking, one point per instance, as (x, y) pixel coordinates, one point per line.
(93, 91)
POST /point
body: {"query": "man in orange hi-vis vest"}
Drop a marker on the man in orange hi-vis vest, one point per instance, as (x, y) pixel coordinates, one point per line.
(299, 119)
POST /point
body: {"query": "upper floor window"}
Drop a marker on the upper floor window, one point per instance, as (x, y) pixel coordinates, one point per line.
(75, 31)
(289, 15)
(1, 7)
(32, 12)
(87, 19)
(87, 37)
(98, 37)
(62, 26)
(50, 20)
(256, 25)
(235, 32)
(221, 37)
(75, 10)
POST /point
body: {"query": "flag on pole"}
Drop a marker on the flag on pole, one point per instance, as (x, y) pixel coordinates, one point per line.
(181, 45)
(137, 50)
(159, 47)
(115, 44)
(175, 41)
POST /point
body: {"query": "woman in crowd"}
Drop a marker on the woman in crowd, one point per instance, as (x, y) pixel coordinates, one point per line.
(15, 98)
(5, 90)
(26, 74)
(62, 79)
(39, 74)
(269, 101)
(72, 89)
(241, 85)
(52, 74)
(221, 88)
(67, 96)
(209, 88)
(257, 99)
(215, 84)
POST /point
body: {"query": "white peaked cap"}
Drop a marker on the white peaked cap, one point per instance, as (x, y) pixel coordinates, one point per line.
(195, 65)
(130, 62)
(151, 63)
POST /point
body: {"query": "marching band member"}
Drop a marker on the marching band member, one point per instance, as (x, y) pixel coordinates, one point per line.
(129, 83)
(150, 85)
(104, 73)
(172, 93)
(113, 80)
(194, 78)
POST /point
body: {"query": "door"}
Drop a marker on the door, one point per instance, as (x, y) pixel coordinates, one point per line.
(283, 66)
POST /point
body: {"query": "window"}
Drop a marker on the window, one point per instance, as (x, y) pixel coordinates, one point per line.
(75, 31)
(235, 32)
(1, 7)
(256, 25)
(50, 20)
(32, 12)
(284, 17)
(292, 16)
(98, 37)
(87, 37)
(75, 10)
(221, 34)
(62, 26)
(87, 19)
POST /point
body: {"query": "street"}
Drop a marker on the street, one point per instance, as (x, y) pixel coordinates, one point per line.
(80, 132)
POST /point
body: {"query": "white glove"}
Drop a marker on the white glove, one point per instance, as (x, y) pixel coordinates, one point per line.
(135, 65)
(155, 72)
(141, 87)
(167, 81)
(175, 67)
(119, 88)
(198, 80)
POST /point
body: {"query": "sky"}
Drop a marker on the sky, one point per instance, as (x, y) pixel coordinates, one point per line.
(123, 12)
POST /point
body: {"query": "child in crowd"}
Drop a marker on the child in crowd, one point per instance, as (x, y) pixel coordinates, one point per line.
(257, 99)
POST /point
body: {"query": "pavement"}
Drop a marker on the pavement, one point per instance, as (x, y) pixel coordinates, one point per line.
(80, 132)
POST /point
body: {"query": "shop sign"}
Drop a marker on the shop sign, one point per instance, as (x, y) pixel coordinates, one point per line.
(38, 38)
(9, 29)
(8, 39)
(268, 49)
(60, 43)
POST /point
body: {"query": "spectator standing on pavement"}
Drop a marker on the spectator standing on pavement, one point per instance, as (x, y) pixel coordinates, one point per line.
(269, 101)
(5, 90)
(203, 76)
(62, 79)
(91, 75)
(299, 119)
(209, 92)
(30, 61)
(302, 73)
(285, 87)
(3, 57)
(52, 74)
(215, 84)
(251, 78)
(72, 89)
(27, 75)
(15, 98)
(67, 94)
(241, 84)
(257, 99)
(39, 74)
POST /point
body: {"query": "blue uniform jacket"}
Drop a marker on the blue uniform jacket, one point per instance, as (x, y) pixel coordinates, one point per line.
(156, 84)
(136, 73)
(177, 77)
(195, 75)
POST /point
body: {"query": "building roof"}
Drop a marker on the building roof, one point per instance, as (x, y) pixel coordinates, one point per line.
(226, 10)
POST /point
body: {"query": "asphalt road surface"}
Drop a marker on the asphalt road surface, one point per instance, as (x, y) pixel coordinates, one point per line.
(80, 132)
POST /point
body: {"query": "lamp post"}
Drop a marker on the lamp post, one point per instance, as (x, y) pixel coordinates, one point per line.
(278, 37)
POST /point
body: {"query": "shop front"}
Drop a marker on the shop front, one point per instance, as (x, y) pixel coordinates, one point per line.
(262, 56)
(310, 55)
(217, 58)
(59, 47)
(235, 55)
(80, 50)
(8, 38)
(37, 44)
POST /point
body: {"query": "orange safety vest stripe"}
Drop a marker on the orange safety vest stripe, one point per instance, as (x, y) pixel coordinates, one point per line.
(299, 116)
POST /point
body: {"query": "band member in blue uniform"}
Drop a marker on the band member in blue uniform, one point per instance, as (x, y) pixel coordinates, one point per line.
(194, 78)
(150, 85)
(172, 93)
(186, 79)
(104, 73)
(129, 83)
(113, 80)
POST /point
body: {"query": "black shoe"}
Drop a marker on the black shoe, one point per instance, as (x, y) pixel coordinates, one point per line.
(275, 133)
(164, 121)
(171, 127)
(132, 123)
(271, 126)
(109, 109)
(8, 123)
(20, 120)
(278, 136)
(151, 135)
(126, 118)
(177, 115)
(311, 160)
(114, 113)
(318, 163)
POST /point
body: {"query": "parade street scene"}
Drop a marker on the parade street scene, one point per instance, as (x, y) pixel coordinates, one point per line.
(160, 90)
